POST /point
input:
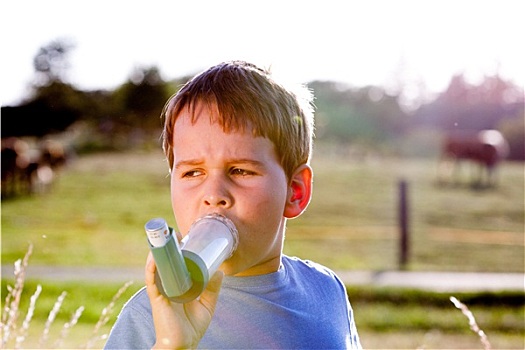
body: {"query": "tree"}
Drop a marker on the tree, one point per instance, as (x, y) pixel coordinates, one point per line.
(142, 97)
(464, 106)
(51, 62)
(513, 129)
(55, 105)
(53, 109)
(366, 115)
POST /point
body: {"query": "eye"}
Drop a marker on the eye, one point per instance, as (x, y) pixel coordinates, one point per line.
(191, 173)
(241, 172)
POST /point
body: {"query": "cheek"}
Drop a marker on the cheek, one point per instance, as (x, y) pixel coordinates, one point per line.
(179, 207)
(275, 195)
(174, 200)
(269, 205)
(178, 194)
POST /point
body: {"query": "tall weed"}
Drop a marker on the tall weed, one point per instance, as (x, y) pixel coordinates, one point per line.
(472, 322)
(13, 334)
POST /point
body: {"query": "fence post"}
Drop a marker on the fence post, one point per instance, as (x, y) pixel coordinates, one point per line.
(403, 224)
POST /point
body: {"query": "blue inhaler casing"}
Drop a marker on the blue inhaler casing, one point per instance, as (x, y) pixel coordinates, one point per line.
(184, 270)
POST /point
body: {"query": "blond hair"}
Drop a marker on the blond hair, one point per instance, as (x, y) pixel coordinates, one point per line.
(248, 96)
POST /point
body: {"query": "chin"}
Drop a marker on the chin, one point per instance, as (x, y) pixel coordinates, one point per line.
(231, 267)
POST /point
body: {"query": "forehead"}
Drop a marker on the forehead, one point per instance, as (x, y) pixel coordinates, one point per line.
(229, 119)
(200, 134)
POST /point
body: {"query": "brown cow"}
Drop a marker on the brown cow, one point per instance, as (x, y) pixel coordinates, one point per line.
(485, 149)
(28, 169)
(18, 167)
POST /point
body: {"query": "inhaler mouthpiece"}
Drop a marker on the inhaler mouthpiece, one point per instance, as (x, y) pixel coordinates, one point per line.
(185, 270)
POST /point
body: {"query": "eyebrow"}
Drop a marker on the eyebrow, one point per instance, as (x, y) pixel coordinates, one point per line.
(251, 162)
(196, 162)
(189, 162)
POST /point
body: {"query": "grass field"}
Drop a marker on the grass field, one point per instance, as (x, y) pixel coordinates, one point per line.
(386, 318)
(94, 216)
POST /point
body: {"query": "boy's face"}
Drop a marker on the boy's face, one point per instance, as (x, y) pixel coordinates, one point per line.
(234, 174)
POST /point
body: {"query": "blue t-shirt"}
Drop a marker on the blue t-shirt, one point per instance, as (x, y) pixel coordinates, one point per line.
(303, 305)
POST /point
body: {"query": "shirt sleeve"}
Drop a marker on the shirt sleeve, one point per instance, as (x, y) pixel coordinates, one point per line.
(353, 341)
(133, 329)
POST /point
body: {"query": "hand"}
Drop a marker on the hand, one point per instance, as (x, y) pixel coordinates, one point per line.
(180, 325)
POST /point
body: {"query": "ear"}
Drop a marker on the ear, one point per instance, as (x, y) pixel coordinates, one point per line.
(299, 192)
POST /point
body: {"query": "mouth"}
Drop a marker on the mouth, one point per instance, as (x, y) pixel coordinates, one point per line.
(209, 222)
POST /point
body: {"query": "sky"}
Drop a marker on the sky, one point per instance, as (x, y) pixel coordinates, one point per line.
(411, 45)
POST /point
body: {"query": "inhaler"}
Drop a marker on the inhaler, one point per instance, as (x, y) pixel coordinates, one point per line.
(184, 269)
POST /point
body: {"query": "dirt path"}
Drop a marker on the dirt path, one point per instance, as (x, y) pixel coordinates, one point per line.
(435, 281)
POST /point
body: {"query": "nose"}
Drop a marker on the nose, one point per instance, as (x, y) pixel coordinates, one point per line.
(216, 193)
(216, 201)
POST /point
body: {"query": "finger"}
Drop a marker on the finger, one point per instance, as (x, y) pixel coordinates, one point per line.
(150, 267)
(149, 276)
(214, 285)
(210, 295)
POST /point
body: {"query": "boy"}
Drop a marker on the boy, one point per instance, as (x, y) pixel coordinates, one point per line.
(238, 144)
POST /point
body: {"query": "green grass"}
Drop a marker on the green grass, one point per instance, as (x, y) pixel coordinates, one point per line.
(93, 296)
(401, 318)
(435, 339)
(94, 216)
(352, 220)
(415, 319)
(97, 299)
(77, 338)
(379, 309)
